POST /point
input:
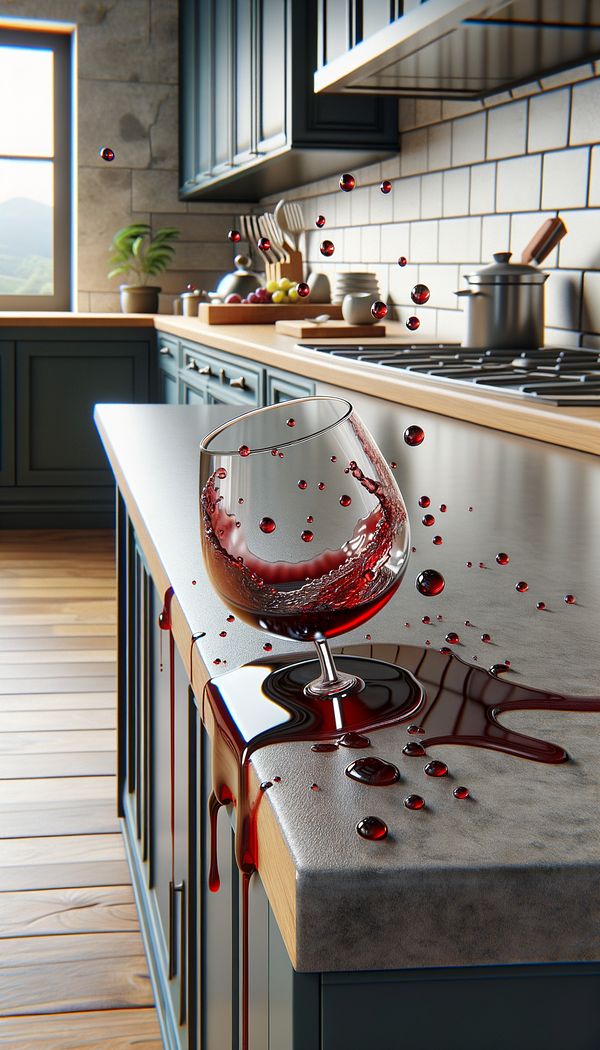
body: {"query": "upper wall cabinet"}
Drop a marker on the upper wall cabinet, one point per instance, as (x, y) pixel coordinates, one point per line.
(450, 48)
(250, 122)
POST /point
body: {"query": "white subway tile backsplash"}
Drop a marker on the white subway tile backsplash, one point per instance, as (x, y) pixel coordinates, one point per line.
(518, 184)
(563, 298)
(382, 204)
(507, 130)
(428, 111)
(401, 280)
(565, 179)
(591, 302)
(549, 121)
(483, 189)
(359, 205)
(440, 146)
(567, 76)
(431, 195)
(456, 192)
(594, 197)
(352, 242)
(495, 236)
(338, 209)
(560, 337)
(450, 326)
(370, 244)
(585, 113)
(407, 199)
(424, 242)
(413, 155)
(522, 229)
(580, 249)
(468, 139)
(442, 282)
(394, 241)
(459, 240)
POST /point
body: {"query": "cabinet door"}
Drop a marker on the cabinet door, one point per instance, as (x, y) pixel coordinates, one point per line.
(244, 134)
(168, 387)
(58, 384)
(222, 93)
(191, 393)
(281, 386)
(7, 413)
(273, 47)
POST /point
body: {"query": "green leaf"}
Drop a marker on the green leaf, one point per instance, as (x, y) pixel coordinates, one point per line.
(136, 247)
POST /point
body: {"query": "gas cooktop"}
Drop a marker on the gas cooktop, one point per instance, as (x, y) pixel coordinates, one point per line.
(551, 375)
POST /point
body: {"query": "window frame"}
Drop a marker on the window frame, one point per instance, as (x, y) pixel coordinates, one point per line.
(60, 43)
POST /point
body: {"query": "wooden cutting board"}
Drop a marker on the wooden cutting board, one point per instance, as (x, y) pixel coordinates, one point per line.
(267, 313)
(329, 329)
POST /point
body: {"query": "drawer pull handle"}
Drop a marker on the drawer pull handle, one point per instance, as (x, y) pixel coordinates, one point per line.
(222, 375)
(206, 371)
(239, 382)
(165, 350)
(192, 366)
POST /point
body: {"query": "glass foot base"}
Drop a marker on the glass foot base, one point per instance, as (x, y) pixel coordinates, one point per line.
(346, 685)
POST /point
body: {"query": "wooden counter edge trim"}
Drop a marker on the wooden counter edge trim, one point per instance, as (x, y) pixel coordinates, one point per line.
(276, 866)
(565, 427)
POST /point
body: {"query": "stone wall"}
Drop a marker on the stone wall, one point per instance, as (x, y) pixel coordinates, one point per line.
(127, 98)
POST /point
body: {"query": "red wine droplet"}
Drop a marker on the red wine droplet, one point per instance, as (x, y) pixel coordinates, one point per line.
(373, 771)
(267, 647)
(302, 484)
(303, 289)
(569, 599)
(234, 236)
(452, 638)
(267, 525)
(445, 650)
(244, 450)
(402, 261)
(468, 623)
(426, 619)
(414, 749)
(414, 802)
(420, 294)
(320, 221)
(379, 310)
(221, 473)
(486, 638)
(386, 186)
(333, 459)
(327, 248)
(430, 582)
(521, 586)
(502, 558)
(413, 323)
(460, 792)
(372, 828)
(439, 616)
(541, 606)
(307, 536)
(424, 501)
(309, 519)
(355, 740)
(482, 565)
(443, 508)
(345, 501)
(106, 153)
(470, 509)
(216, 661)
(414, 435)
(469, 565)
(222, 634)
(428, 519)
(325, 747)
(368, 637)
(436, 769)
(230, 618)
(264, 244)
(498, 668)
(437, 540)
(347, 182)
(321, 486)
(412, 728)
(314, 787)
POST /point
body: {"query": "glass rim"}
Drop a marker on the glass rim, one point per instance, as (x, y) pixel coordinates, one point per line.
(204, 444)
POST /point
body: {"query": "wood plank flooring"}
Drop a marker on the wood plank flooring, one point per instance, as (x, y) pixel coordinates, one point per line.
(73, 975)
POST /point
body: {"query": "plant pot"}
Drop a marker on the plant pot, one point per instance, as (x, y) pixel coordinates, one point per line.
(139, 298)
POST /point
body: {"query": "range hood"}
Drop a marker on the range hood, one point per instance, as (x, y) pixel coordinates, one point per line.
(467, 48)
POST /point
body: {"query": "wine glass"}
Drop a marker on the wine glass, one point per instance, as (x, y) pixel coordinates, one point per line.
(304, 531)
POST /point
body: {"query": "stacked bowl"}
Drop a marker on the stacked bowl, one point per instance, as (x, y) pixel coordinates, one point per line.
(348, 282)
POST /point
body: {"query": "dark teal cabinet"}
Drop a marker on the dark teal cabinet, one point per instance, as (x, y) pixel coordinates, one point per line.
(7, 413)
(250, 122)
(53, 468)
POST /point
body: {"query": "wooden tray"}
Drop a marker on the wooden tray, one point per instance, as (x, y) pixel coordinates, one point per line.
(257, 313)
(330, 329)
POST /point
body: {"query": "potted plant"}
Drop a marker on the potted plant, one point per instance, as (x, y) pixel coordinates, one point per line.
(135, 250)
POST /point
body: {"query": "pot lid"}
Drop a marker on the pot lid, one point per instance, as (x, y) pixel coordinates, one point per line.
(502, 271)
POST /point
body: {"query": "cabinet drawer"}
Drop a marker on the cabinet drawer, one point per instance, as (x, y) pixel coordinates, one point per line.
(284, 386)
(228, 379)
(168, 351)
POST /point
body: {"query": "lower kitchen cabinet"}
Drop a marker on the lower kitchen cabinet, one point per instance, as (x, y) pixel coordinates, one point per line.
(53, 468)
(281, 386)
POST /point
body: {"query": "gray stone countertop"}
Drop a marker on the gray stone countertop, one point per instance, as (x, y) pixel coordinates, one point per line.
(513, 875)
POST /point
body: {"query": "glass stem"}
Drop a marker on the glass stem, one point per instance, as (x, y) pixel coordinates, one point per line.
(329, 673)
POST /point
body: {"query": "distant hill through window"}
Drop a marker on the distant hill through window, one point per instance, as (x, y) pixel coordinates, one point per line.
(25, 247)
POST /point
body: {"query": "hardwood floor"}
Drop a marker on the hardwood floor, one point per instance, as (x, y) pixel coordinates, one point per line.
(73, 974)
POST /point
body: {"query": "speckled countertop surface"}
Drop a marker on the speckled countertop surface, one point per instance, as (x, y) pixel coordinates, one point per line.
(513, 875)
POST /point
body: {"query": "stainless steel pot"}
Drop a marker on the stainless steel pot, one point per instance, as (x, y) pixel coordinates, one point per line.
(505, 305)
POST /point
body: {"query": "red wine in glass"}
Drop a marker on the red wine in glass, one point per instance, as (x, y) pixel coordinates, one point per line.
(270, 577)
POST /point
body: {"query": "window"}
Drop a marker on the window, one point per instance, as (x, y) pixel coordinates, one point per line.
(35, 170)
